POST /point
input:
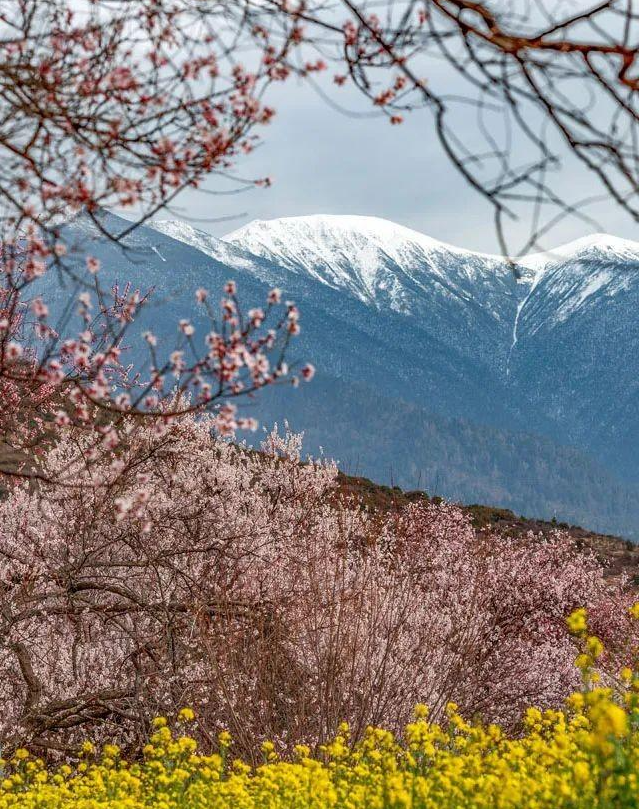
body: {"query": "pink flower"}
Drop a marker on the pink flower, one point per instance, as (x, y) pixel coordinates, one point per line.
(61, 419)
(122, 506)
(256, 317)
(307, 372)
(111, 439)
(39, 308)
(13, 350)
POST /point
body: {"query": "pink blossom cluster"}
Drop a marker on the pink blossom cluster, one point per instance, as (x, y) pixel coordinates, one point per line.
(89, 379)
(127, 103)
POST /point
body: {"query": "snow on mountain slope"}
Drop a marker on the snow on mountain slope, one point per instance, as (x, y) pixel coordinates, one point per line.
(301, 235)
(183, 232)
(589, 272)
(387, 265)
(371, 258)
(600, 244)
(223, 251)
(344, 250)
(473, 302)
(384, 263)
(464, 299)
(356, 253)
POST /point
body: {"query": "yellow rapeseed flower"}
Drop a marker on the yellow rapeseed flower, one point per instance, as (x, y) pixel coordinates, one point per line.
(594, 647)
(577, 621)
(586, 757)
(224, 738)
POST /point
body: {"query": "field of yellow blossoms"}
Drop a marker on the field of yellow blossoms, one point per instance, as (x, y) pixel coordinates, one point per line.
(586, 755)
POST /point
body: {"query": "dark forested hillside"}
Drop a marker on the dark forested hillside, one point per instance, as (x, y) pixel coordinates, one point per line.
(399, 443)
(619, 557)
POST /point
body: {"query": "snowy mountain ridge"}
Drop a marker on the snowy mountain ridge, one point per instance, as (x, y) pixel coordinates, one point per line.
(364, 255)
(356, 253)
(292, 234)
(386, 265)
(348, 251)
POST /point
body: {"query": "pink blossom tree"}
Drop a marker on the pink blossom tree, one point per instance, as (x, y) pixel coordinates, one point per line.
(124, 105)
(198, 572)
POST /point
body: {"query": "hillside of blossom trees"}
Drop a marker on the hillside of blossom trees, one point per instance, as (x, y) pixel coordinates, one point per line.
(150, 560)
(194, 571)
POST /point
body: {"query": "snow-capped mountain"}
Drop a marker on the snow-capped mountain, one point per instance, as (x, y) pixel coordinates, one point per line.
(602, 244)
(578, 338)
(466, 298)
(382, 263)
(375, 260)
(390, 267)
(473, 298)
(437, 366)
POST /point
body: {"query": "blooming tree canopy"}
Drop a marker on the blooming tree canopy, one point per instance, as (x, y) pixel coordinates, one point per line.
(197, 572)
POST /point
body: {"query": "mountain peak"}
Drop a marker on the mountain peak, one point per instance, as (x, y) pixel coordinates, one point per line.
(372, 258)
(602, 241)
(269, 233)
(601, 244)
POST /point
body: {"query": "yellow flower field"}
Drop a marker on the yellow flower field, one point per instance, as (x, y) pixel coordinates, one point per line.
(584, 756)
(587, 756)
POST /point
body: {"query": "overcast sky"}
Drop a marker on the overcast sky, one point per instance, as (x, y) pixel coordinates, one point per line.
(323, 161)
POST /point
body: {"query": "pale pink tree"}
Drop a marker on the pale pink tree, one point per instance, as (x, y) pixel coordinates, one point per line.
(199, 572)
